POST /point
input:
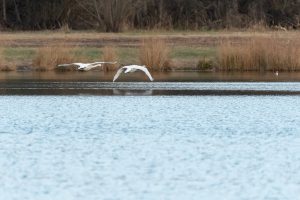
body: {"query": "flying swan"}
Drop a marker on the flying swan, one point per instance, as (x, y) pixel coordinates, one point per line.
(130, 69)
(86, 66)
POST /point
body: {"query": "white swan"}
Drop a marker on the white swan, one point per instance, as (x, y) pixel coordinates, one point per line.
(130, 69)
(86, 66)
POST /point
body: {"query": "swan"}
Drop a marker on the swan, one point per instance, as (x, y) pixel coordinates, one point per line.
(86, 66)
(132, 68)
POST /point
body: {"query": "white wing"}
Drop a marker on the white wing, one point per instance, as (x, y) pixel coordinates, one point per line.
(145, 70)
(95, 63)
(89, 67)
(119, 72)
(67, 65)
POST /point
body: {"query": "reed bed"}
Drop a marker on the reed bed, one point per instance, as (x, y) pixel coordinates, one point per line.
(109, 55)
(260, 54)
(154, 53)
(47, 58)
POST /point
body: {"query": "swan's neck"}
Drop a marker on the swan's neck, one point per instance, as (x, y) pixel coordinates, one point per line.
(127, 70)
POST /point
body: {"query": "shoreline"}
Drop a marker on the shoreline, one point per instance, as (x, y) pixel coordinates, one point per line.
(175, 76)
(190, 50)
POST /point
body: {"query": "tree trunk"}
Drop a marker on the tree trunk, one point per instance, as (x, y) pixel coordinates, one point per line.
(17, 12)
(4, 11)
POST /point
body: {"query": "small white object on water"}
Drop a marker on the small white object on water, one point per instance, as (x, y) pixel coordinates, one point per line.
(276, 73)
(132, 68)
(86, 66)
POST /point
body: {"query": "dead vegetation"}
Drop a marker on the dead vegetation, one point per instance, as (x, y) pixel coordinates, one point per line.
(260, 54)
(262, 51)
(4, 64)
(109, 55)
(154, 53)
(47, 58)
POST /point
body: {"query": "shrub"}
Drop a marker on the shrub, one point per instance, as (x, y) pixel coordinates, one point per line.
(109, 55)
(154, 53)
(205, 64)
(47, 58)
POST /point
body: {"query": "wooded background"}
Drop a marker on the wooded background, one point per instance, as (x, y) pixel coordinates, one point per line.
(120, 15)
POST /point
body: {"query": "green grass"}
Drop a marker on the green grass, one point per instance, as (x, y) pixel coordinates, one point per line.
(128, 55)
(125, 55)
(92, 53)
(89, 53)
(192, 53)
(19, 53)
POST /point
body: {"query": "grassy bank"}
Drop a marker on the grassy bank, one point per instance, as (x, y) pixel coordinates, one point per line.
(225, 51)
(46, 59)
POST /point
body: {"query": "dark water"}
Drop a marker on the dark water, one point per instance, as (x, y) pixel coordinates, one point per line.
(186, 76)
(150, 88)
(172, 83)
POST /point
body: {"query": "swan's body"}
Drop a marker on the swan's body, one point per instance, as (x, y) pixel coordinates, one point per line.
(130, 69)
(86, 66)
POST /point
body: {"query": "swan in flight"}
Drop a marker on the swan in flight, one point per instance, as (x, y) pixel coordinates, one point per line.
(86, 66)
(130, 69)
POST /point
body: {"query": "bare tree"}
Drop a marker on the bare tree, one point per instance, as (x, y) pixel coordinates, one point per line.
(115, 15)
(4, 11)
(111, 15)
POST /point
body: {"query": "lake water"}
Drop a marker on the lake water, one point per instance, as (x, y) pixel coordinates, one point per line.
(176, 76)
(150, 147)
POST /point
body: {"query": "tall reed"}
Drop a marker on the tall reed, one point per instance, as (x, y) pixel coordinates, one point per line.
(154, 53)
(109, 55)
(259, 53)
(47, 58)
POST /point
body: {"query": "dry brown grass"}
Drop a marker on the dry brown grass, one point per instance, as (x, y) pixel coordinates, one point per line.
(4, 65)
(47, 58)
(260, 53)
(109, 55)
(2, 59)
(154, 53)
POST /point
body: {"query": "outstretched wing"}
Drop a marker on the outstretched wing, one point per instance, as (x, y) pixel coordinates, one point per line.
(95, 63)
(67, 65)
(119, 72)
(89, 67)
(145, 70)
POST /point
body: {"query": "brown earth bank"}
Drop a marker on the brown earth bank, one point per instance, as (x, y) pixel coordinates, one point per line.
(195, 39)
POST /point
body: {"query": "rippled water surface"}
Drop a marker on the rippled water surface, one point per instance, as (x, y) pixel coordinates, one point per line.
(176, 76)
(152, 147)
(148, 89)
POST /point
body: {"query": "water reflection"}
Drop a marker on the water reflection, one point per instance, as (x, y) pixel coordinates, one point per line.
(172, 83)
(132, 92)
(186, 76)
